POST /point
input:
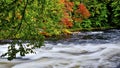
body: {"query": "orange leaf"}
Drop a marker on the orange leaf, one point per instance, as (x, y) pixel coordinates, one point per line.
(69, 6)
(83, 10)
(67, 22)
(45, 34)
(78, 19)
(62, 1)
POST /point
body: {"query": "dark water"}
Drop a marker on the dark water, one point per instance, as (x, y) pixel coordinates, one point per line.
(106, 36)
(99, 37)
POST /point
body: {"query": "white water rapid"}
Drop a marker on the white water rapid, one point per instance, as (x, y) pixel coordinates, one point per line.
(81, 51)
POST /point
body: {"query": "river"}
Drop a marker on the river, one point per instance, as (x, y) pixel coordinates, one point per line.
(89, 49)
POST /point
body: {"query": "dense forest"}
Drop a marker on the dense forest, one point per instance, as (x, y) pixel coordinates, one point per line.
(31, 21)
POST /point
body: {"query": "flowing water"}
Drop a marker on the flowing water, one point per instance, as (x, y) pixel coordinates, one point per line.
(94, 49)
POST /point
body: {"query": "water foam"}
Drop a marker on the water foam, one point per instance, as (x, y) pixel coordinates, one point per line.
(75, 56)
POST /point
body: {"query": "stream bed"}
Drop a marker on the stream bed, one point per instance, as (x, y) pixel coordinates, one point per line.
(90, 49)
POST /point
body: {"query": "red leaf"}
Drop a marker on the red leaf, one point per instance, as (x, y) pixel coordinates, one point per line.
(83, 10)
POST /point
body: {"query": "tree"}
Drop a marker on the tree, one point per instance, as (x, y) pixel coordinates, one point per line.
(27, 21)
(18, 25)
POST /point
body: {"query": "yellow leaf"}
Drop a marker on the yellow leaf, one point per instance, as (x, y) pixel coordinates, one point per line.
(57, 32)
(66, 31)
(45, 34)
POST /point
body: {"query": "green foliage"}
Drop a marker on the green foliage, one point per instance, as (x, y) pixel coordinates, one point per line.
(116, 13)
(50, 17)
(24, 20)
(99, 14)
(22, 47)
(104, 13)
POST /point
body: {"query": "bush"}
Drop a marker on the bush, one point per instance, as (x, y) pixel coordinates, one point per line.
(115, 15)
(103, 13)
